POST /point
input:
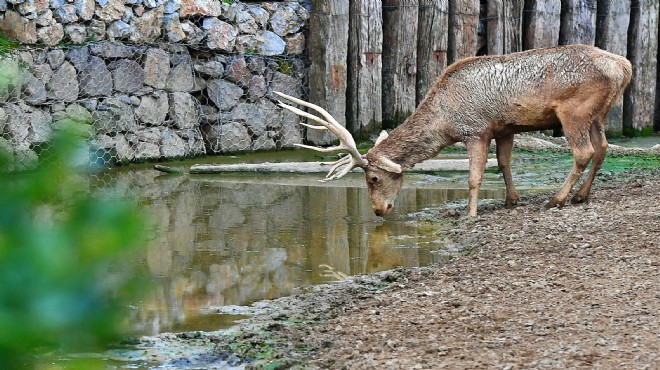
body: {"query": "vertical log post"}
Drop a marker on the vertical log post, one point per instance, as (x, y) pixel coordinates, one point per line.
(399, 60)
(364, 114)
(504, 26)
(639, 100)
(542, 23)
(578, 22)
(463, 29)
(328, 41)
(431, 43)
(612, 35)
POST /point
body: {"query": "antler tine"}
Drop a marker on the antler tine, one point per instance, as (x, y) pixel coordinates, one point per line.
(345, 137)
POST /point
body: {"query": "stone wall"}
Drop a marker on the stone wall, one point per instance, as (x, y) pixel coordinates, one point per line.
(152, 78)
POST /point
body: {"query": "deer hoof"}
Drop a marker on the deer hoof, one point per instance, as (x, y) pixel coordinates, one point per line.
(554, 203)
(509, 203)
(577, 199)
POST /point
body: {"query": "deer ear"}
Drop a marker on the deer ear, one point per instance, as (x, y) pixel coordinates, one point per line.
(388, 165)
(383, 135)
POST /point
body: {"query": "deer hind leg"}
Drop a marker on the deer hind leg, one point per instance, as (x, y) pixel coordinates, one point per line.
(478, 153)
(599, 143)
(578, 138)
(504, 147)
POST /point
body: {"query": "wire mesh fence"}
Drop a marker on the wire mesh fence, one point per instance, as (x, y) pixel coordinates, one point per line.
(147, 102)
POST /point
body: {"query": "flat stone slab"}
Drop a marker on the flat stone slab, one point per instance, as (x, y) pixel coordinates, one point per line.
(431, 165)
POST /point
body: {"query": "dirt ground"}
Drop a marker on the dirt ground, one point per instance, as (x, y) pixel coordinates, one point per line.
(576, 287)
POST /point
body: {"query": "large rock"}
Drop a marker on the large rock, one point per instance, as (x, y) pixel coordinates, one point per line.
(51, 35)
(112, 50)
(119, 30)
(263, 43)
(153, 108)
(14, 26)
(75, 33)
(16, 127)
(85, 8)
(40, 126)
(210, 68)
(265, 141)
(63, 85)
(295, 44)
(113, 115)
(34, 90)
(221, 35)
(225, 95)
(285, 83)
(181, 78)
(112, 10)
(127, 75)
(172, 28)
(228, 137)
(95, 78)
(194, 141)
(259, 117)
(209, 8)
(147, 28)
(184, 110)
(171, 145)
(286, 21)
(238, 72)
(291, 130)
(156, 68)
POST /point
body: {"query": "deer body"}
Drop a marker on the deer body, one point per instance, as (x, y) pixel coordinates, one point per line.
(494, 97)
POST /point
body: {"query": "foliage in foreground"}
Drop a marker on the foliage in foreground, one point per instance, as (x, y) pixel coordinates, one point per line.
(57, 243)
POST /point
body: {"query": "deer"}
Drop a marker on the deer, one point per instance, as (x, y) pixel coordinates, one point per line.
(478, 99)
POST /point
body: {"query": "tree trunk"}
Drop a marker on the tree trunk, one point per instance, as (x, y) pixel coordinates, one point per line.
(328, 42)
(612, 26)
(399, 60)
(504, 26)
(542, 23)
(431, 43)
(463, 29)
(365, 65)
(578, 22)
(639, 101)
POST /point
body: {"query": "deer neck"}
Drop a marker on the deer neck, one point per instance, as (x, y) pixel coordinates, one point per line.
(422, 136)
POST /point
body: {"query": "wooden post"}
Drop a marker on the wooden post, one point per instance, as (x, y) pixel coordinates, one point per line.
(399, 60)
(504, 26)
(328, 41)
(542, 23)
(463, 29)
(578, 22)
(639, 100)
(431, 43)
(364, 114)
(612, 35)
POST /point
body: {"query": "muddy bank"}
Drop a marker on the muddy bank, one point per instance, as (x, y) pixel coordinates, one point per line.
(571, 287)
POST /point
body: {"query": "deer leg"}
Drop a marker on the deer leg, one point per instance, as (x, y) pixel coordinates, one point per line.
(583, 152)
(478, 153)
(504, 146)
(599, 143)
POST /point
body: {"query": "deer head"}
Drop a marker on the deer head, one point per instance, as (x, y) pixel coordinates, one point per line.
(384, 177)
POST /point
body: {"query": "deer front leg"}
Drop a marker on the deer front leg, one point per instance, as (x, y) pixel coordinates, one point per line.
(478, 153)
(599, 143)
(504, 147)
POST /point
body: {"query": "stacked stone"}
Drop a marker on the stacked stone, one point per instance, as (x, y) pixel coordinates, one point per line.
(212, 94)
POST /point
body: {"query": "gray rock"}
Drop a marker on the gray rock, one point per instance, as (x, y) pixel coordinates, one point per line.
(34, 90)
(147, 28)
(228, 137)
(272, 44)
(246, 23)
(112, 115)
(45, 18)
(172, 6)
(295, 45)
(75, 33)
(259, 117)
(260, 15)
(194, 141)
(15, 126)
(209, 8)
(256, 87)
(264, 142)
(225, 95)
(291, 131)
(111, 50)
(14, 26)
(112, 10)
(221, 35)
(285, 21)
(153, 3)
(84, 9)
(172, 28)
(172, 145)
(156, 68)
(119, 30)
(238, 72)
(184, 110)
(256, 65)
(194, 34)
(181, 78)
(51, 35)
(63, 85)
(210, 68)
(127, 75)
(66, 13)
(286, 84)
(96, 30)
(77, 56)
(13, 79)
(95, 79)
(117, 145)
(42, 72)
(40, 126)
(146, 150)
(153, 108)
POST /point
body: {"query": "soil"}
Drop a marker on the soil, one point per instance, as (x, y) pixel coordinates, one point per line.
(572, 287)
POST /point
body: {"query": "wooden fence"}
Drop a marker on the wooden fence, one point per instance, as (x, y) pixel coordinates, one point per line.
(374, 60)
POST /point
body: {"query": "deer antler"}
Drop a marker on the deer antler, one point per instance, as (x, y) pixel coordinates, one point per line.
(354, 159)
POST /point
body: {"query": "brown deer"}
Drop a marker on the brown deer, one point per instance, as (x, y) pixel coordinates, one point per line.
(493, 97)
